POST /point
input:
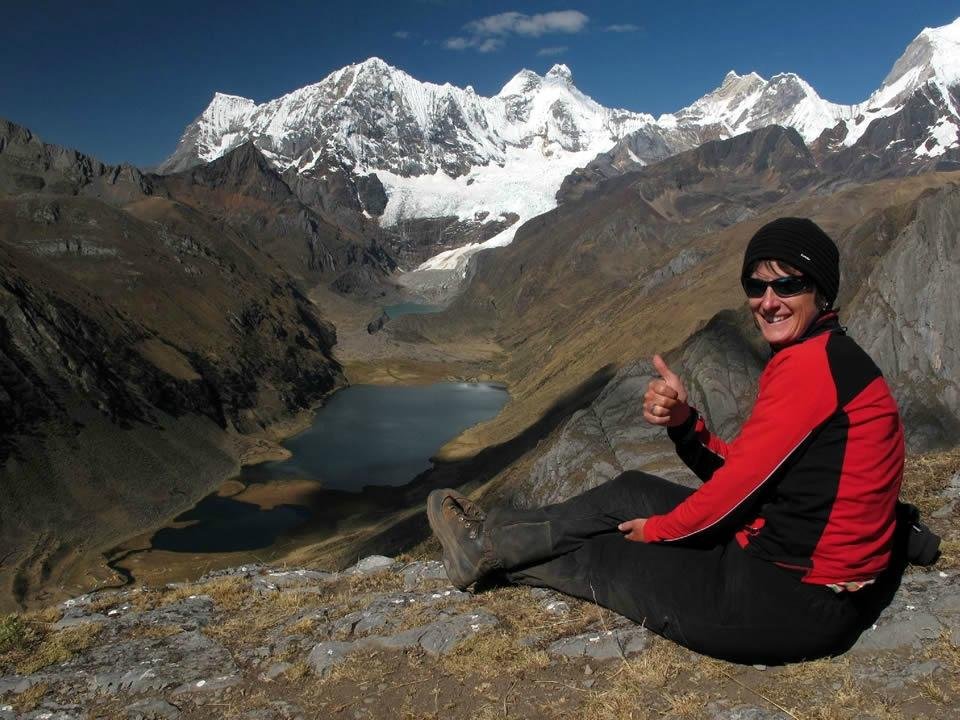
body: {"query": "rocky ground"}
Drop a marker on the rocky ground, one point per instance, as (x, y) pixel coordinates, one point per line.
(391, 638)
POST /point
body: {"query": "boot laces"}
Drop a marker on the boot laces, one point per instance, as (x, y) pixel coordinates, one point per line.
(473, 527)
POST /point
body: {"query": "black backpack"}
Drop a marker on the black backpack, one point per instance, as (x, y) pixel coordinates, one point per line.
(922, 545)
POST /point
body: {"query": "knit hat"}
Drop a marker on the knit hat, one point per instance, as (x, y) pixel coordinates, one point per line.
(801, 243)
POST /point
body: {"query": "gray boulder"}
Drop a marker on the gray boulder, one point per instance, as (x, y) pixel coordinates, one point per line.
(602, 644)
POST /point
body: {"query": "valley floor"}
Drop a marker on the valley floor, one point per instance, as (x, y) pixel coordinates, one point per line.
(380, 359)
(367, 359)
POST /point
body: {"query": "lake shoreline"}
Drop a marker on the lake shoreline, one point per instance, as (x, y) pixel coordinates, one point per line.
(278, 510)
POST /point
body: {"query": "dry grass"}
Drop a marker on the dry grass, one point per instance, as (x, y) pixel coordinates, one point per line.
(522, 616)
(104, 601)
(924, 480)
(298, 672)
(379, 582)
(157, 632)
(229, 593)
(934, 691)
(949, 553)
(59, 646)
(305, 626)
(243, 629)
(45, 616)
(925, 477)
(645, 686)
(30, 698)
(428, 549)
(800, 688)
(491, 653)
(686, 704)
(262, 614)
(947, 654)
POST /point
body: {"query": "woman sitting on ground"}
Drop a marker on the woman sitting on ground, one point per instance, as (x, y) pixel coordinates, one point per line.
(767, 561)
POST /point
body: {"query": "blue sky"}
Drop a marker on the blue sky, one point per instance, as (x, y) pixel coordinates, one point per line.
(120, 80)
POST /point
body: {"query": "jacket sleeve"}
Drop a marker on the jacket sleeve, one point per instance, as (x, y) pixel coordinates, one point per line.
(701, 450)
(797, 394)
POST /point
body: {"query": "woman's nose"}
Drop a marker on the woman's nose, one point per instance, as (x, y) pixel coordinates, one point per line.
(770, 299)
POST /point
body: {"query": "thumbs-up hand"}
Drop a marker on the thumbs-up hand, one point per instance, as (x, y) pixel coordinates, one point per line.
(665, 402)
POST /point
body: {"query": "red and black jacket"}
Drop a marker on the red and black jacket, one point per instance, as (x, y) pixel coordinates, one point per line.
(811, 482)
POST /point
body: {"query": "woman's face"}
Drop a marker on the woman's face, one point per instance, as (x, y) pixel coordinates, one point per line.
(782, 320)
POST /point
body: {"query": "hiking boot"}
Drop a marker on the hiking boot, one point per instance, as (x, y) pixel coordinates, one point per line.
(457, 522)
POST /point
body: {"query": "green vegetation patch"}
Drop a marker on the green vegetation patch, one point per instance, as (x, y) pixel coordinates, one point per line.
(14, 634)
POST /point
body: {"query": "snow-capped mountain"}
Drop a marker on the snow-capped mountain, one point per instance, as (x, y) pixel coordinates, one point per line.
(918, 85)
(443, 151)
(930, 66)
(439, 150)
(374, 117)
(744, 103)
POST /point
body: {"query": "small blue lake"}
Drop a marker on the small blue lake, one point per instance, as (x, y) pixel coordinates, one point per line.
(381, 435)
(365, 435)
(409, 308)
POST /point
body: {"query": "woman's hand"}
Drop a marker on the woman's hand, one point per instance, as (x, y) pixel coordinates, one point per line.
(633, 529)
(665, 402)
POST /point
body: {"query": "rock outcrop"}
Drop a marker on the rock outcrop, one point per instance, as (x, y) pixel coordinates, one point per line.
(286, 643)
(610, 436)
(905, 316)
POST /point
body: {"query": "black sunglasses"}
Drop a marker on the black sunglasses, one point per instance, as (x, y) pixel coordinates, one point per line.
(786, 286)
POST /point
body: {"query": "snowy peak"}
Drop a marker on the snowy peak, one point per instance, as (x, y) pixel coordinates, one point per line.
(370, 116)
(226, 111)
(561, 73)
(933, 55)
(523, 83)
(747, 102)
(223, 100)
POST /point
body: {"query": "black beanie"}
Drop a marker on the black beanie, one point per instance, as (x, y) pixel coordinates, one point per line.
(801, 243)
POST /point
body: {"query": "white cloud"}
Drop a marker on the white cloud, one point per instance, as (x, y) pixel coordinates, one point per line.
(456, 43)
(622, 28)
(562, 21)
(490, 45)
(402, 34)
(559, 50)
(488, 34)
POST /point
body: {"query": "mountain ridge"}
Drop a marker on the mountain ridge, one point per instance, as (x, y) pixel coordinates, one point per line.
(446, 152)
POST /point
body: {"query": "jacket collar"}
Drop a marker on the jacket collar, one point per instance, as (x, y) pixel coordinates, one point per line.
(826, 322)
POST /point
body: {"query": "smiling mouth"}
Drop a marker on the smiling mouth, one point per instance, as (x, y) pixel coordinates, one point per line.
(775, 320)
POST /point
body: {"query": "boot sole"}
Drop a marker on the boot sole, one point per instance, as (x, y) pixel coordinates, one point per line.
(453, 560)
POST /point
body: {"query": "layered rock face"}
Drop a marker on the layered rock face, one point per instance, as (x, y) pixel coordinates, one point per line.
(610, 436)
(905, 316)
(305, 226)
(140, 338)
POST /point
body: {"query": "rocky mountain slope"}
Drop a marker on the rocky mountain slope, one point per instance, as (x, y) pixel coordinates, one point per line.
(309, 232)
(652, 257)
(388, 637)
(152, 329)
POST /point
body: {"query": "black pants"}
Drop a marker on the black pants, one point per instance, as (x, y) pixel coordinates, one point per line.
(715, 599)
